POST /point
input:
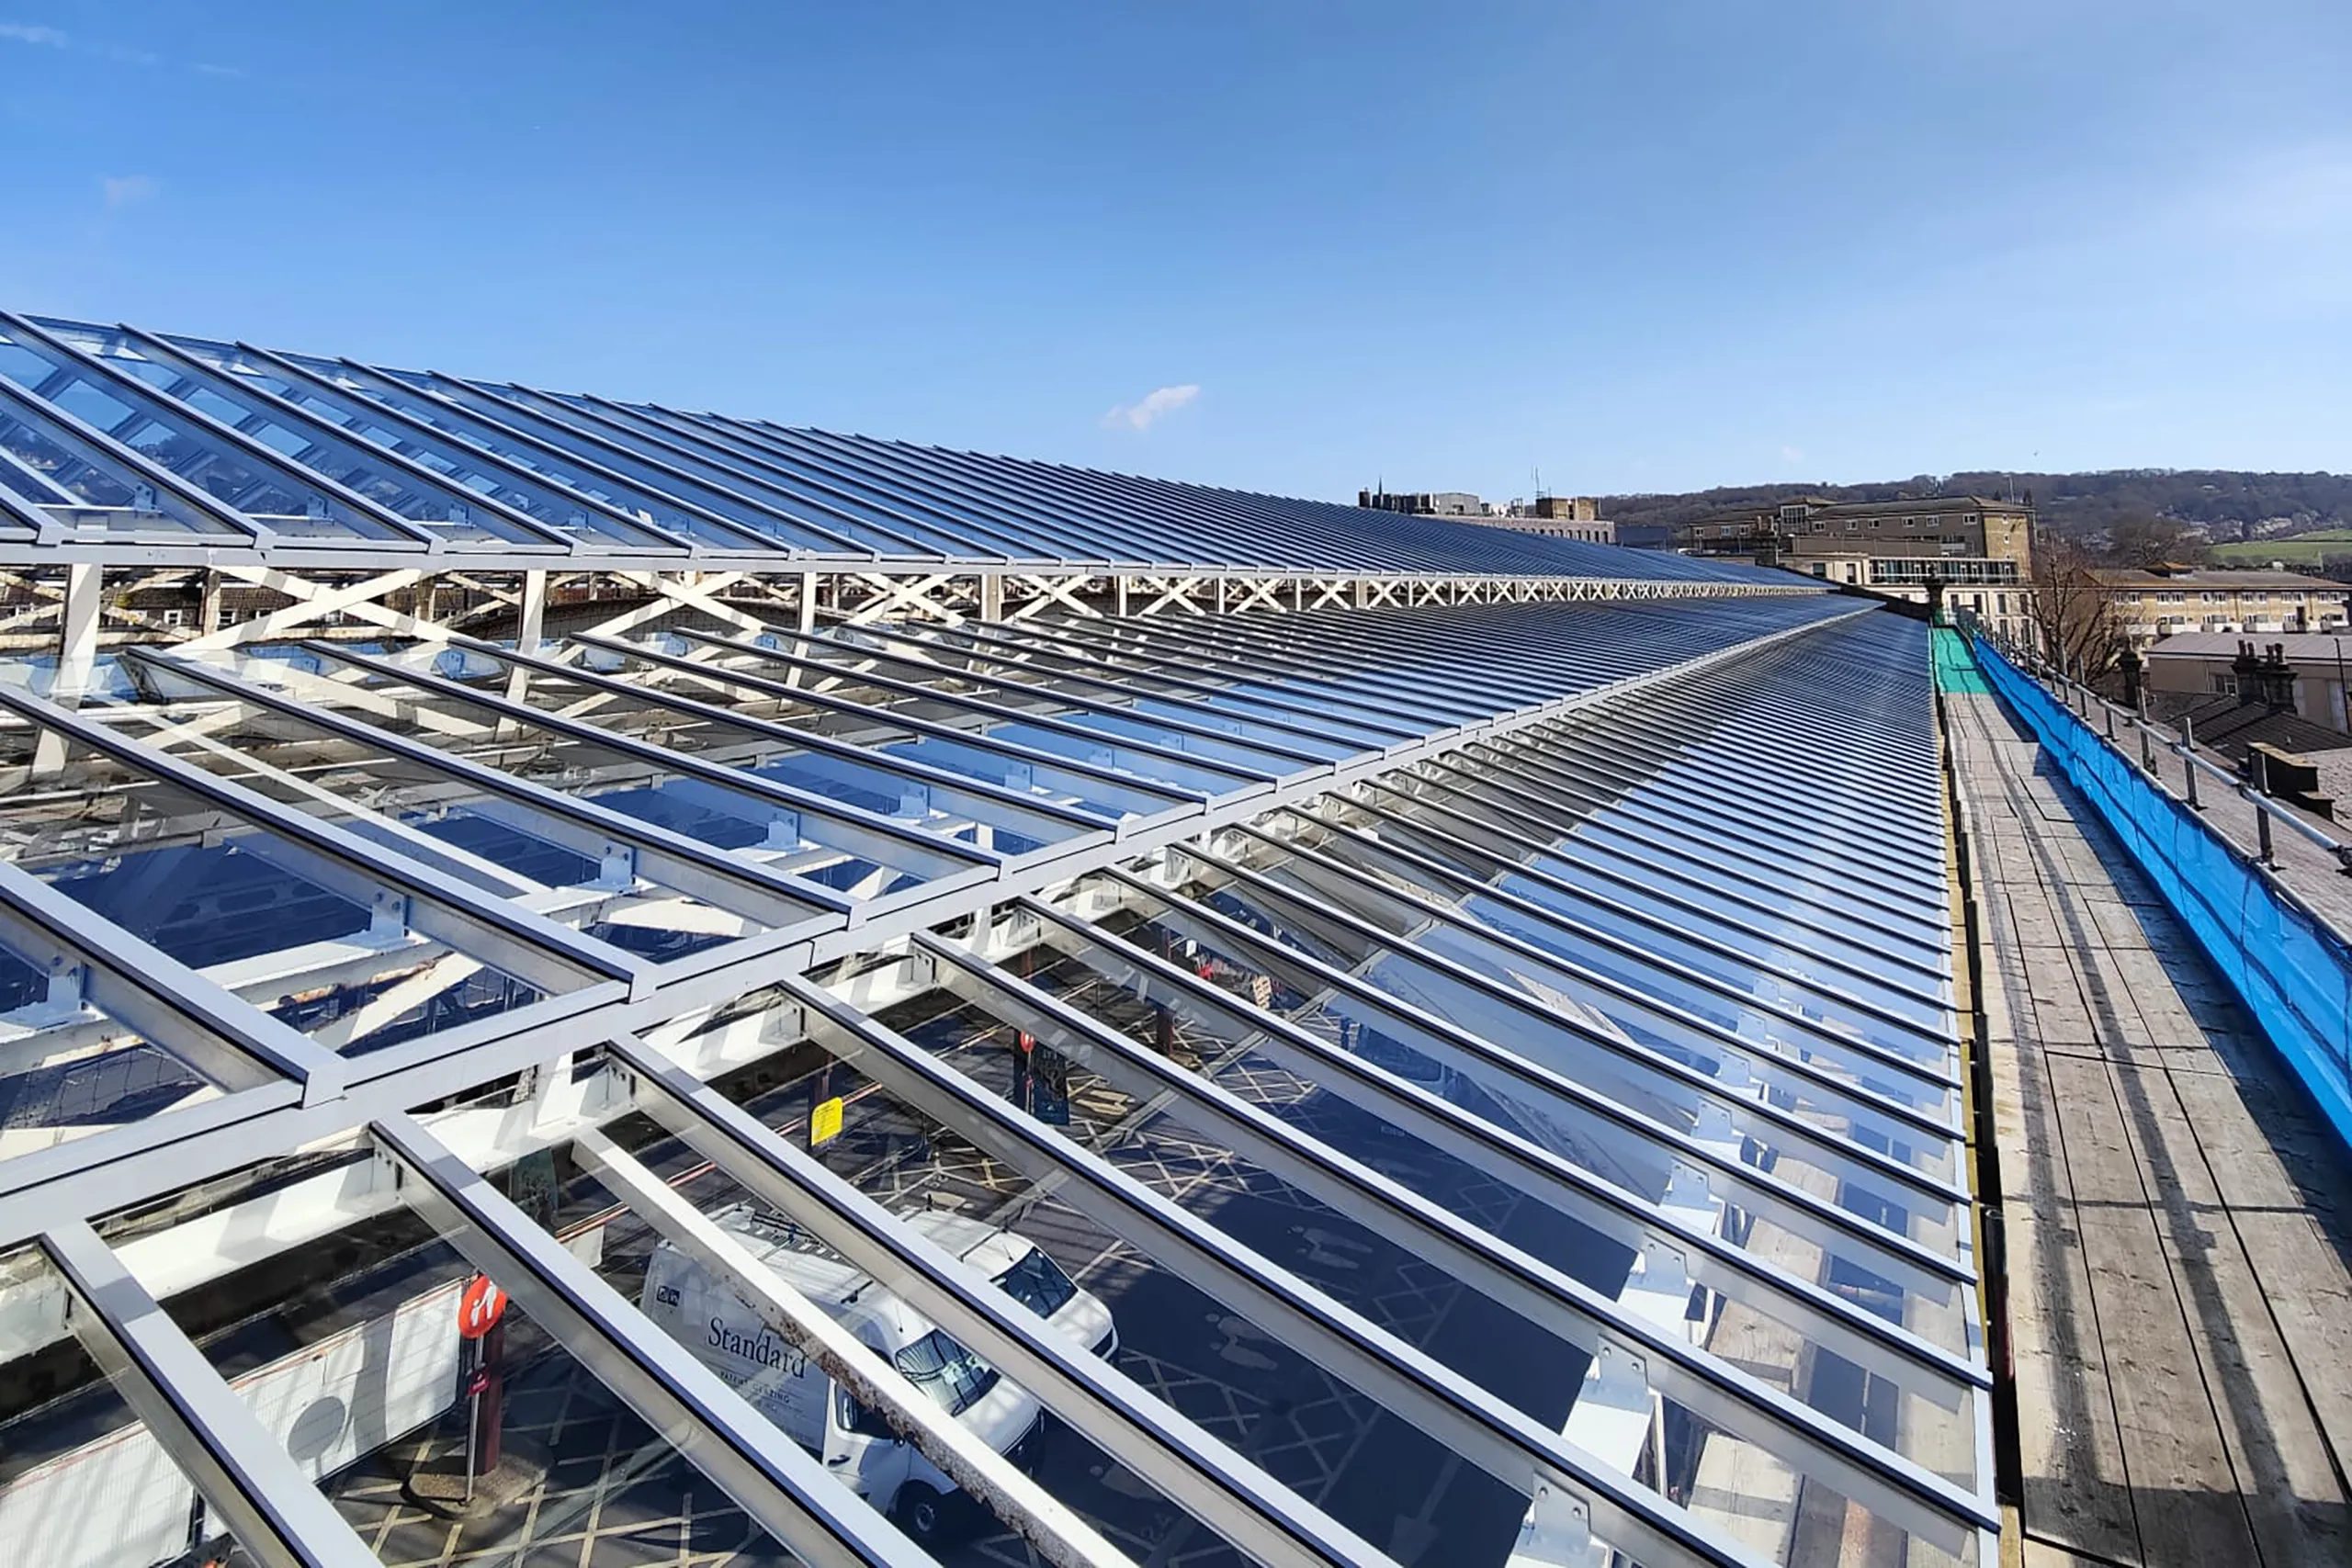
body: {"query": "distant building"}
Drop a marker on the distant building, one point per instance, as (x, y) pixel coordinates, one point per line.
(1423, 503)
(2203, 673)
(2163, 602)
(1559, 517)
(1566, 508)
(1981, 550)
(1555, 516)
(1993, 589)
(1963, 526)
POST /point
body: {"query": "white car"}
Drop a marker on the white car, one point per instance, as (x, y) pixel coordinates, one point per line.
(711, 1317)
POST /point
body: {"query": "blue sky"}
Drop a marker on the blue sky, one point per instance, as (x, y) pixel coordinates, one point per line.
(1296, 246)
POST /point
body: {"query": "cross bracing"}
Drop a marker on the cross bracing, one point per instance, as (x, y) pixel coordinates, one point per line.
(1634, 910)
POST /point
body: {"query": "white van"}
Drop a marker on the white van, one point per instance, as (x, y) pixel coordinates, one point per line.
(710, 1317)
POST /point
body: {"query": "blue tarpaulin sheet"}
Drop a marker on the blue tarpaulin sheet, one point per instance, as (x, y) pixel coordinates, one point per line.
(2293, 973)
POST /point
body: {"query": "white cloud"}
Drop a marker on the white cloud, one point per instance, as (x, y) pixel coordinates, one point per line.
(121, 190)
(121, 54)
(1791, 454)
(1153, 408)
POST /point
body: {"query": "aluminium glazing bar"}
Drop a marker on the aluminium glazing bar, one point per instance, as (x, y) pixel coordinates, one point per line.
(1777, 853)
(540, 951)
(1452, 640)
(1196, 1472)
(866, 834)
(781, 1487)
(1903, 738)
(355, 447)
(1051, 1529)
(1899, 965)
(659, 855)
(1692, 772)
(1432, 643)
(1865, 1168)
(616, 528)
(1803, 924)
(982, 800)
(276, 1514)
(1884, 1482)
(1265, 758)
(1507, 833)
(1679, 782)
(1132, 793)
(1064, 641)
(1919, 1271)
(1710, 734)
(687, 434)
(576, 424)
(973, 471)
(185, 419)
(1356, 704)
(689, 524)
(663, 474)
(1886, 1349)
(1258, 539)
(1024, 654)
(1347, 660)
(1321, 909)
(1053, 714)
(166, 1003)
(1372, 673)
(1483, 856)
(1826, 1030)
(1497, 1437)
(190, 507)
(879, 475)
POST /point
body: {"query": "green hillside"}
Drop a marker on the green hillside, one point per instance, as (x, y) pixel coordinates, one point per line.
(2310, 550)
(2226, 501)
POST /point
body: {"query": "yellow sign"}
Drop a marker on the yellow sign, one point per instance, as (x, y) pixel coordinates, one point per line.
(825, 1122)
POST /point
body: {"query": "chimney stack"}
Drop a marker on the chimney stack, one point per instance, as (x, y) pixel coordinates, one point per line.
(2248, 670)
(2277, 678)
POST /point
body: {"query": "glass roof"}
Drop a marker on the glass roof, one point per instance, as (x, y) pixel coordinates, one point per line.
(113, 431)
(1522, 1034)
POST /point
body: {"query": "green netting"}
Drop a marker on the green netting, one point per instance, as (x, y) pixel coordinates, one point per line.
(2288, 967)
(1955, 665)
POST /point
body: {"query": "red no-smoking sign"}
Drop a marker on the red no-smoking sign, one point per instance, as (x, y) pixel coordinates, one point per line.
(480, 1308)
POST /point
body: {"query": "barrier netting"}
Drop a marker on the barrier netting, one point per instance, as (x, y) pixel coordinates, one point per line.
(2292, 971)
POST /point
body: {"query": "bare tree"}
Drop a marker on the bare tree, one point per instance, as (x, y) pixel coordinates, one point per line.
(2144, 541)
(2074, 615)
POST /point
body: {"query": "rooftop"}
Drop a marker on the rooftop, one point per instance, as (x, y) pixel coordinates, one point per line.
(1911, 506)
(2229, 725)
(2299, 646)
(456, 829)
(1484, 1028)
(2204, 577)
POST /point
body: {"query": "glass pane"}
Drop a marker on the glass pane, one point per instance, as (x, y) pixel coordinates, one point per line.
(83, 1482)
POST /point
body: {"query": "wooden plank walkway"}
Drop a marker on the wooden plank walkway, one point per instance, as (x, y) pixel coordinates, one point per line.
(2179, 1226)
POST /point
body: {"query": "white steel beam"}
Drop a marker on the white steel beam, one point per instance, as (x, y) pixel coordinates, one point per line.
(781, 1486)
(276, 1514)
(1263, 1518)
(1051, 1529)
